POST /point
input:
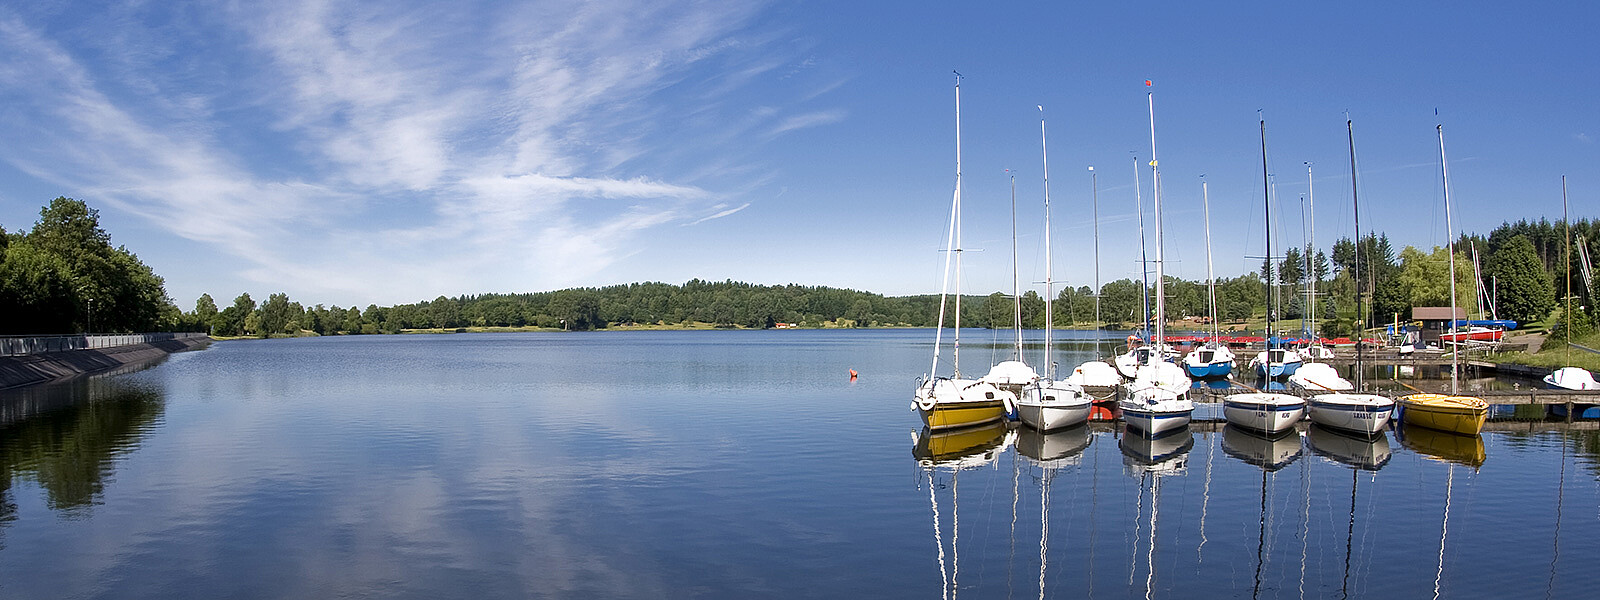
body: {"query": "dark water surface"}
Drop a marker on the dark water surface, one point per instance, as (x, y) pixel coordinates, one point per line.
(729, 464)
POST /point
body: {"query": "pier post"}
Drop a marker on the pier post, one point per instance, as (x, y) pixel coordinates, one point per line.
(1570, 406)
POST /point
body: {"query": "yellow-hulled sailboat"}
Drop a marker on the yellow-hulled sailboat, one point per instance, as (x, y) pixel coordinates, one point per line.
(1452, 413)
(953, 402)
(1456, 414)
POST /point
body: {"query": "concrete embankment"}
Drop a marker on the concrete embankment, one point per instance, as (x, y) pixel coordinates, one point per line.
(30, 369)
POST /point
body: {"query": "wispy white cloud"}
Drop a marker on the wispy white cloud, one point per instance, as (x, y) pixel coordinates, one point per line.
(1583, 137)
(397, 151)
(721, 214)
(827, 117)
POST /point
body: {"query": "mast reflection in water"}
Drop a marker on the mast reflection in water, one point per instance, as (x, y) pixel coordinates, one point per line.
(1336, 527)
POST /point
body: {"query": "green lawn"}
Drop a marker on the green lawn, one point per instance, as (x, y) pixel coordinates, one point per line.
(1556, 354)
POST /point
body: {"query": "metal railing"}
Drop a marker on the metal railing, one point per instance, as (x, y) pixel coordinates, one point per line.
(18, 346)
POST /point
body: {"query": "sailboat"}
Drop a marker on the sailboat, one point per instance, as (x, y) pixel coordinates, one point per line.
(952, 402)
(1569, 378)
(1141, 345)
(1157, 398)
(1315, 350)
(1265, 411)
(1097, 378)
(1452, 412)
(1213, 359)
(1276, 360)
(1367, 414)
(1048, 403)
(1013, 375)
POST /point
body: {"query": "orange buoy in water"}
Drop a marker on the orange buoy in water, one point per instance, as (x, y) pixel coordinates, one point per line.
(852, 374)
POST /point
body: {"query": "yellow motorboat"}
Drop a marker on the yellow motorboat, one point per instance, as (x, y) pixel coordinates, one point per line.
(1456, 414)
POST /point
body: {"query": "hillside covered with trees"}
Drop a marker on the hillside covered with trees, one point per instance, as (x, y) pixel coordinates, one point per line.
(64, 276)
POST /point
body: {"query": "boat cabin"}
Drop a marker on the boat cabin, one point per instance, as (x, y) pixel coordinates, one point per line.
(1434, 320)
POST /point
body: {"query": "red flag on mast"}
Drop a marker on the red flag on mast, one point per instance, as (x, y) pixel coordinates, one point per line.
(1147, 83)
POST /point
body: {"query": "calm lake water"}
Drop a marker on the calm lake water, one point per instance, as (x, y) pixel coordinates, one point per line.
(730, 465)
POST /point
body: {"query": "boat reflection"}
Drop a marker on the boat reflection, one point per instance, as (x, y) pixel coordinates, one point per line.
(952, 451)
(1166, 454)
(1445, 446)
(960, 448)
(1055, 449)
(1269, 453)
(1367, 454)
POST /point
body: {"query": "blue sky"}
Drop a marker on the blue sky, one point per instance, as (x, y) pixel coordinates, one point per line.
(387, 152)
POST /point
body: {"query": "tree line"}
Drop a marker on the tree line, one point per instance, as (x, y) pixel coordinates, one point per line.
(64, 276)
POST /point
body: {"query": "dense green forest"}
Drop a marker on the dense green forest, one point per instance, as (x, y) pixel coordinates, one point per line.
(64, 276)
(64, 272)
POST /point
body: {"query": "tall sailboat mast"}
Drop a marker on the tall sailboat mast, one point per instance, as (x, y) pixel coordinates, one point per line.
(1144, 258)
(1355, 199)
(1094, 190)
(1450, 245)
(1211, 279)
(1155, 192)
(1049, 283)
(1266, 195)
(952, 245)
(1016, 290)
(955, 353)
(1311, 248)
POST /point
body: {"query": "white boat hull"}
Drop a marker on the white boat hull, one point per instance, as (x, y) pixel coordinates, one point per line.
(1360, 413)
(1050, 418)
(1156, 411)
(1048, 405)
(1155, 422)
(1271, 413)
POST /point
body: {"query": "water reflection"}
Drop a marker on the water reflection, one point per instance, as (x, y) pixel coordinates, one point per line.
(1266, 522)
(1363, 453)
(1269, 453)
(1055, 449)
(1166, 454)
(1449, 447)
(66, 438)
(949, 452)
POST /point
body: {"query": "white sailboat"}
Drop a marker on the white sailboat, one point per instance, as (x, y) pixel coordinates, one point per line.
(1275, 360)
(1363, 413)
(1048, 403)
(1138, 351)
(952, 402)
(1265, 411)
(1451, 413)
(1212, 359)
(1319, 377)
(1157, 399)
(1097, 378)
(1013, 375)
(1315, 350)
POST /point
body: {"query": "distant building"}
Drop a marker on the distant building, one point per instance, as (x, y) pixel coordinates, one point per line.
(1434, 319)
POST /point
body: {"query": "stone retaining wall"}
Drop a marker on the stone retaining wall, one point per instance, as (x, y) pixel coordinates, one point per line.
(33, 369)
